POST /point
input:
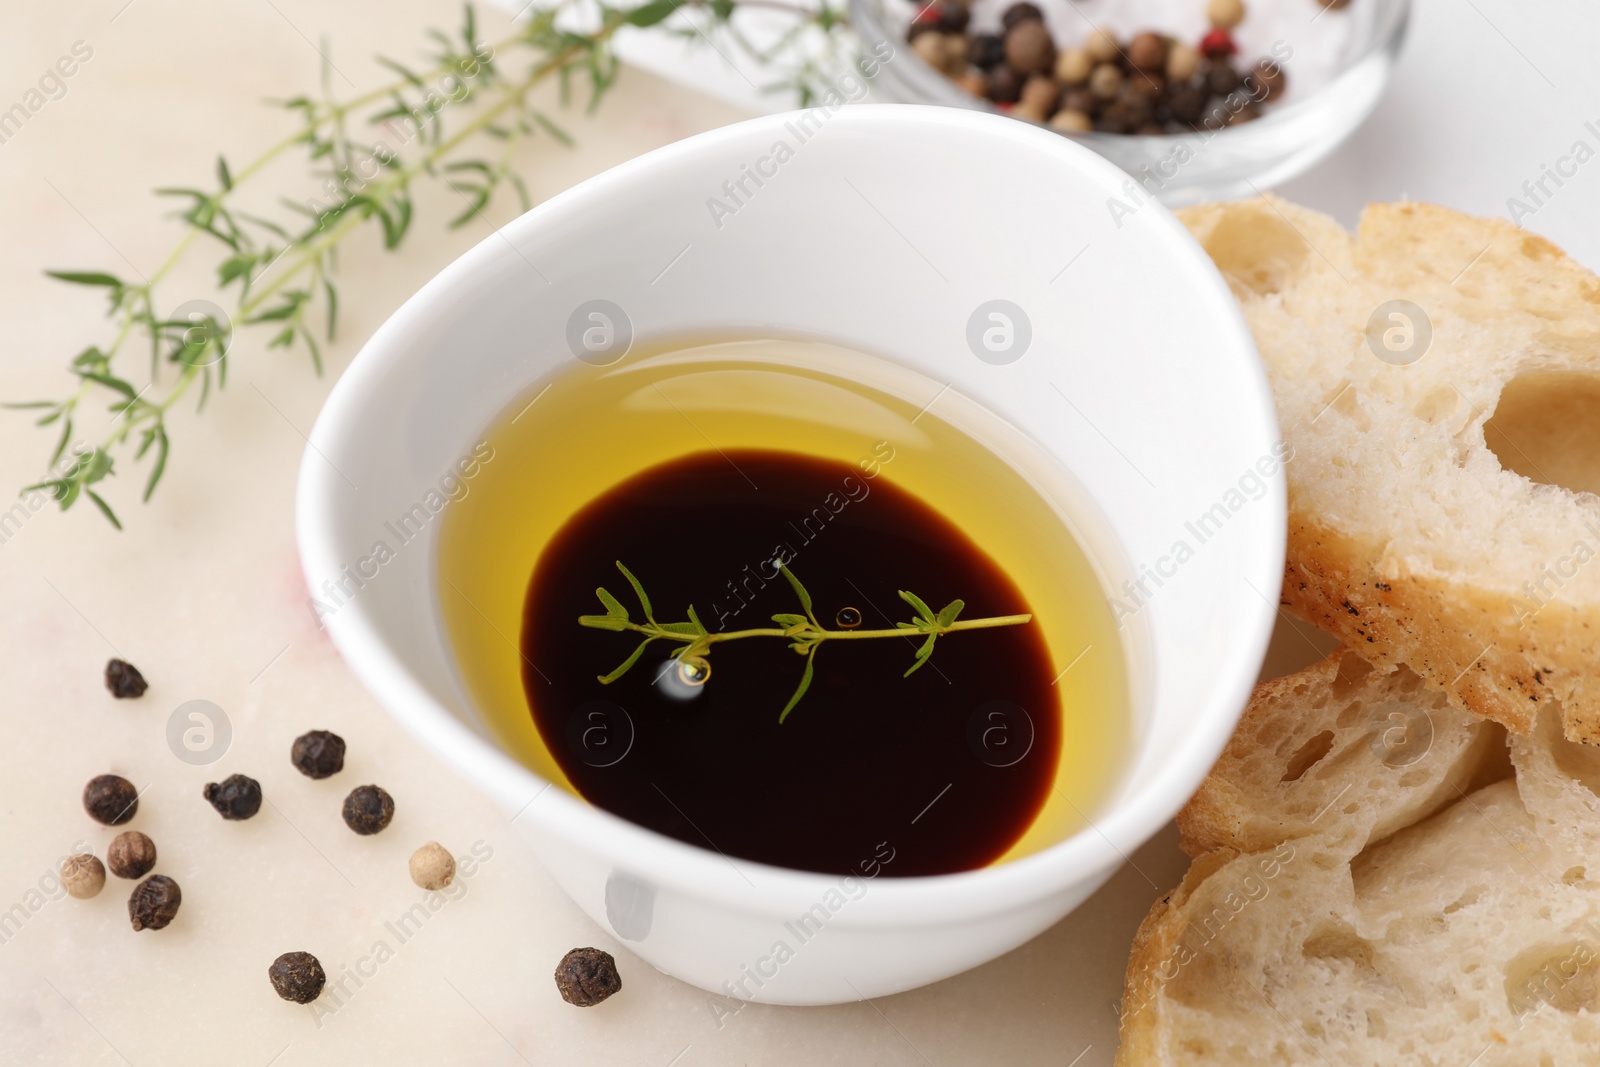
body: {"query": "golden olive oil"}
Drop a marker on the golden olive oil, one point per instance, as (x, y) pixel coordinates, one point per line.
(909, 762)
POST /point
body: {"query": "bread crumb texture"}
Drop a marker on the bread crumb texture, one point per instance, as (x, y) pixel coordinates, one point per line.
(1437, 378)
(1379, 878)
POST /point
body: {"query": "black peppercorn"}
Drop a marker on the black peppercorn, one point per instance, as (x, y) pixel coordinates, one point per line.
(1147, 52)
(1004, 85)
(952, 16)
(1080, 99)
(110, 799)
(586, 976)
(235, 797)
(1221, 78)
(1029, 49)
(1265, 81)
(1134, 110)
(154, 902)
(1153, 87)
(1111, 121)
(1244, 113)
(1186, 101)
(318, 754)
(124, 679)
(1125, 114)
(297, 976)
(1021, 12)
(1215, 115)
(131, 855)
(368, 809)
(986, 51)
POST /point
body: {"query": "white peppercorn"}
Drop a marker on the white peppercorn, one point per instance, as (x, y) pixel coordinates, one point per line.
(955, 54)
(930, 46)
(1225, 13)
(1040, 94)
(1182, 62)
(1101, 44)
(973, 82)
(432, 866)
(1073, 66)
(1068, 120)
(1106, 81)
(82, 875)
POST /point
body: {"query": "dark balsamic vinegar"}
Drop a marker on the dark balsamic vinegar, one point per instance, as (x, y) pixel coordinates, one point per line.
(867, 758)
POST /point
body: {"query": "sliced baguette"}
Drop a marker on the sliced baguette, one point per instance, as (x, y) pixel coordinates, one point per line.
(1375, 882)
(1409, 537)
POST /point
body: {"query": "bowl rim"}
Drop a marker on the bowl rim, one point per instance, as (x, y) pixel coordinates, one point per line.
(1093, 852)
(936, 88)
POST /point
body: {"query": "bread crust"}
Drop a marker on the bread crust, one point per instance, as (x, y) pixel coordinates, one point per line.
(1503, 637)
(1141, 1012)
(1448, 631)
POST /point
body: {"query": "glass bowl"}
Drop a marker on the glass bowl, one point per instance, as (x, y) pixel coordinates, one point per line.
(1338, 63)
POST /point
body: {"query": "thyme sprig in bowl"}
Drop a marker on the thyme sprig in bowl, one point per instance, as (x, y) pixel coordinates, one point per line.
(804, 632)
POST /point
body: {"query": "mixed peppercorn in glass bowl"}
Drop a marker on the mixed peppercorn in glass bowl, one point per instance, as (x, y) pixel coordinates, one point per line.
(1196, 99)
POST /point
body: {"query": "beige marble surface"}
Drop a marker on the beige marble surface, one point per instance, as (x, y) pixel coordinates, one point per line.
(203, 592)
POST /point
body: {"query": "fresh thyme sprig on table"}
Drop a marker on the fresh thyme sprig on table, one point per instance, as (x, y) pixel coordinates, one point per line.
(803, 632)
(278, 273)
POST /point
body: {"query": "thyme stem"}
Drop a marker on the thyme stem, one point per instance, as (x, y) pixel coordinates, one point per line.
(839, 635)
(803, 632)
(351, 221)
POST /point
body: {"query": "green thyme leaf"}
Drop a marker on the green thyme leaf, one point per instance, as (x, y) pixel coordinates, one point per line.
(690, 629)
(614, 606)
(799, 591)
(922, 655)
(694, 620)
(160, 437)
(923, 611)
(607, 679)
(800, 690)
(85, 277)
(638, 591)
(651, 13)
(105, 509)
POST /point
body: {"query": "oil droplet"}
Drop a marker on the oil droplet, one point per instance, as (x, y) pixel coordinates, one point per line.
(848, 618)
(677, 683)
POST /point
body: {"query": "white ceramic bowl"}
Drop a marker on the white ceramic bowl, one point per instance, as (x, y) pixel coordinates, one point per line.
(882, 229)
